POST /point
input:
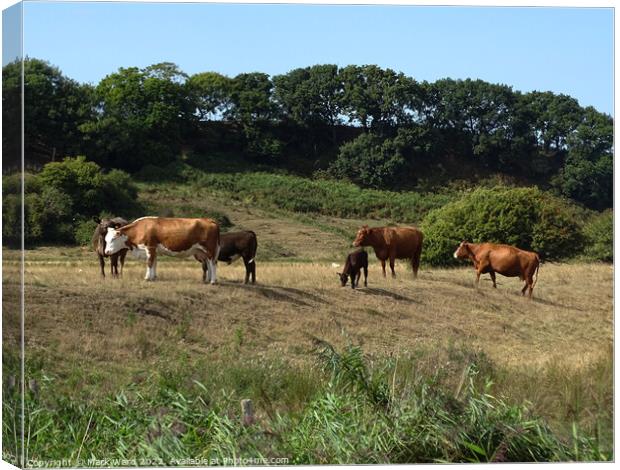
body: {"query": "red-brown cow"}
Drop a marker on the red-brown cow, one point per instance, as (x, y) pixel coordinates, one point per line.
(393, 243)
(170, 236)
(506, 260)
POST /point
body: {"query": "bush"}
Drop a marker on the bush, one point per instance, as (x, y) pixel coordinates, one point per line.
(369, 161)
(84, 232)
(11, 219)
(61, 194)
(49, 216)
(599, 235)
(524, 217)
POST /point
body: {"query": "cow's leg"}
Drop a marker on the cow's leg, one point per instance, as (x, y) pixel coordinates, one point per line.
(114, 265)
(365, 276)
(248, 270)
(151, 258)
(122, 256)
(383, 266)
(101, 264)
(415, 261)
(492, 273)
(392, 259)
(212, 270)
(478, 272)
(205, 269)
(357, 278)
(253, 266)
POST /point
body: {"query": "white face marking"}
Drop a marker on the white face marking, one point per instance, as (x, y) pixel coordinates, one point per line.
(115, 241)
(455, 253)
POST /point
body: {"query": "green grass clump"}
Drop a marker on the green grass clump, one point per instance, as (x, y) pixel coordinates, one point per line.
(347, 408)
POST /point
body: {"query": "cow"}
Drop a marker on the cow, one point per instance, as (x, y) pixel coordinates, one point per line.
(353, 266)
(506, 260)
(393, 243)
(234, 245)
(170, 236)
(98, 243)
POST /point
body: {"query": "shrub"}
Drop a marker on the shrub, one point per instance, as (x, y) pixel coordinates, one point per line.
(369, 161)
(84, 232)
(525, 217)
(11, 219)
(49, 216)
(89, 189)
(599, 235)
(60, 194)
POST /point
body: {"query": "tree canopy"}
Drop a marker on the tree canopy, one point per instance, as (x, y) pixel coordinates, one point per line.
(375, 126)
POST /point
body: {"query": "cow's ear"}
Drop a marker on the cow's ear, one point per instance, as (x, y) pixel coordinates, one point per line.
(96, 219)
(339, 274)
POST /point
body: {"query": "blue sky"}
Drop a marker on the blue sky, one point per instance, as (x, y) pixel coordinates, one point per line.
(565, 50)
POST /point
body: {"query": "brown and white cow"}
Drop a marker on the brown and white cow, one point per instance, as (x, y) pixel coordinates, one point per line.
(506, 260)
(393, 243)
(170, 236)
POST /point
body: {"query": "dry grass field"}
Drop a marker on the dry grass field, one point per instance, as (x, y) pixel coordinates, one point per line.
(76, 317)
(96, 337)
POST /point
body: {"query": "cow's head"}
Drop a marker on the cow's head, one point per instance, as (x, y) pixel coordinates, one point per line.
(362, 236)
(343, 279)
(115, 241)
(462, 251)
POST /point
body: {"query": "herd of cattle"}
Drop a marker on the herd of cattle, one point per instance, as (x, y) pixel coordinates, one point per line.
(201, 238)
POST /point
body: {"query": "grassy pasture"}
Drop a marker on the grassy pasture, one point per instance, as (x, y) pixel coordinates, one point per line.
(156, 369)
(93, 338)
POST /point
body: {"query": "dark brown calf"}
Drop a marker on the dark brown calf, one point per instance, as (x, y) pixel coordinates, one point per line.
(234, 245)
(506, 260)
(98, 243)
(353, 266)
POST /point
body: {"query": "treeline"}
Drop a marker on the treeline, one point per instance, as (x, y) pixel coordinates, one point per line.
(372, 126)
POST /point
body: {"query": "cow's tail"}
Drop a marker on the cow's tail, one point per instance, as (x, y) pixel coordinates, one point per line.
(537, 268)
(253, 246)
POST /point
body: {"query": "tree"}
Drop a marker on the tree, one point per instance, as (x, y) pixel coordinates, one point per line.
(310, 96)
(587, 175)
(211, 93)
(142, 117)
(251, 98)
(373, 97)
(54, 108)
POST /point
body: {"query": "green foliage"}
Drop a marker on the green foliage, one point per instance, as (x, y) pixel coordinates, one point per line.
(83, 233)
(599, 235)
(89, 189)
(322, 196)
(370, 161)
(11, 219)
(49, 216)
(61, 197)
(524, 217)
(54, 108)
(141, 117)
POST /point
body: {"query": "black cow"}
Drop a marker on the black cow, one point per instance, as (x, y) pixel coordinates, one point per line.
(353, 268)
(98, 242)
(235, 245)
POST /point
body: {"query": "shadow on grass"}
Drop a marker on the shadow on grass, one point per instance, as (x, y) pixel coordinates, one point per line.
(386, 293)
